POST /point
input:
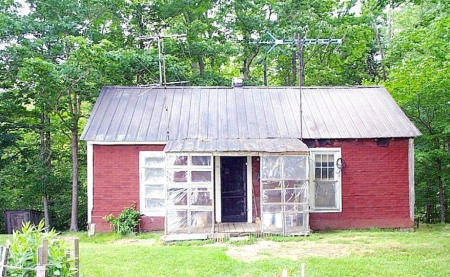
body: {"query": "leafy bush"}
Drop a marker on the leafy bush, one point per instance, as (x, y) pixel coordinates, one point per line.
(127, 222)
(24, 247)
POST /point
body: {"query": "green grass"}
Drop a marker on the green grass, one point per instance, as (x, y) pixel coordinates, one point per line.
(424, 252)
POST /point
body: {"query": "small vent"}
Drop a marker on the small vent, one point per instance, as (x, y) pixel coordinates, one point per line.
(237, 82)
(383, 142)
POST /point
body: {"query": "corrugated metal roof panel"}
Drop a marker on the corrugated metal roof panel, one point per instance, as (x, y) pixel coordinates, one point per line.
(220, 115)
(278, 145)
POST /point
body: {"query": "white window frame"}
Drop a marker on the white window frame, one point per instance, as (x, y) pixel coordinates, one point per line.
(189, 185)
(337, 178)
(142, 197)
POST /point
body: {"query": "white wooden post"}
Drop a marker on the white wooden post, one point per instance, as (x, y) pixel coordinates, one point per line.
(77, 256)
(41, 268)
(4, 260)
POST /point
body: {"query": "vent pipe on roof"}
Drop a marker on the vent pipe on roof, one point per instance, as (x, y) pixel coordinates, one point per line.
(237, 82)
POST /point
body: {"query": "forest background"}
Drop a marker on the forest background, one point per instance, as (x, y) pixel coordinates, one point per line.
(55, 55)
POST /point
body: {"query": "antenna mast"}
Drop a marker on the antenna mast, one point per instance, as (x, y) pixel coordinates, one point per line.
(300, 42)
(162, 69)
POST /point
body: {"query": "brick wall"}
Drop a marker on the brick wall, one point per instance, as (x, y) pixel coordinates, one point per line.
(116, 183)
(375, 187)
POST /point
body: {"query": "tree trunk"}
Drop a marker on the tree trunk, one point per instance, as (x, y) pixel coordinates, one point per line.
(46, 211)
(441, 200)
(201, 65)
(74, 217)
(46, 163)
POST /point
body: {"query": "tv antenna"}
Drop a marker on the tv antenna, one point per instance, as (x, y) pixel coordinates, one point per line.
(161, 56)
(162, 69)
(300, 42)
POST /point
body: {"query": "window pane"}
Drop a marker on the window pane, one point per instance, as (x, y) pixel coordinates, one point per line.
(177, 176)
(325, 196)
(177, 197)
(154, 204)
(201, 221)
(271, 169)
(177, 160)
(295, 195)
(201, 160)
(154, 175)
(271, 196)
(324, 174)
(177, 221)
(317, 173)
(331, 173)
(318, 159)
(271, 184)
(201, 197)
(295, 167)
(201, 176)
(154, 161)
(154, 191)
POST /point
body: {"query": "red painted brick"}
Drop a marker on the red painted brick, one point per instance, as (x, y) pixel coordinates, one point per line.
(375, 185)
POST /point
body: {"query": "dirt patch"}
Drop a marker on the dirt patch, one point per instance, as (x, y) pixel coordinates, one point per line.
(291, 250)
(143, 242)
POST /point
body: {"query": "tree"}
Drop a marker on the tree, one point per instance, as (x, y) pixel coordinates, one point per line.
(419, 80)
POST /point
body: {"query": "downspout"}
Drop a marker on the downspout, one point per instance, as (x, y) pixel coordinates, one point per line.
(411, 178)
(90, 181)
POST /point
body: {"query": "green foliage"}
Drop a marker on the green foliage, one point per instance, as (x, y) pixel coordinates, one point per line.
(126, 222)
(419, 81)
(24, 247)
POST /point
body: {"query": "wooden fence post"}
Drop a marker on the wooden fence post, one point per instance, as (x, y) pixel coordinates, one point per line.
(41, 268)
(76, 256)
(4, 260)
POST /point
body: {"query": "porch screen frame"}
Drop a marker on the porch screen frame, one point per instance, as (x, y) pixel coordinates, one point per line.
(285, 194)
(189, 193)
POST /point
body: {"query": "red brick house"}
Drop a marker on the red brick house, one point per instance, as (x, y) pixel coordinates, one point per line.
(285, 161)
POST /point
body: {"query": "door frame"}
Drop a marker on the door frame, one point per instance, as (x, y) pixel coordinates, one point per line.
(218, 188)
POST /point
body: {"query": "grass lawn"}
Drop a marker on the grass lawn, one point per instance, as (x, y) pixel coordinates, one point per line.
(424, 252)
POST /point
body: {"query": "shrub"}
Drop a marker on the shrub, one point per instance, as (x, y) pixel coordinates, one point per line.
(127, 222)
(24, 247)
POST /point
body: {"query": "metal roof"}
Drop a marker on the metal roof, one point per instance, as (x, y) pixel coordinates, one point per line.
(275, 145)
(214, 117)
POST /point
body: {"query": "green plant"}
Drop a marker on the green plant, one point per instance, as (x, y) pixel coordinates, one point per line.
(24, 247)
(126, 222)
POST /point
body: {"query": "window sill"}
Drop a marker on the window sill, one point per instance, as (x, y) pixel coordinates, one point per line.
(153, 214)
(319, 211)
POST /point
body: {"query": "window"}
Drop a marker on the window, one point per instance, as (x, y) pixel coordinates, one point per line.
(152, 183)
(190, 195)
(284, 194)
(325, 180)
